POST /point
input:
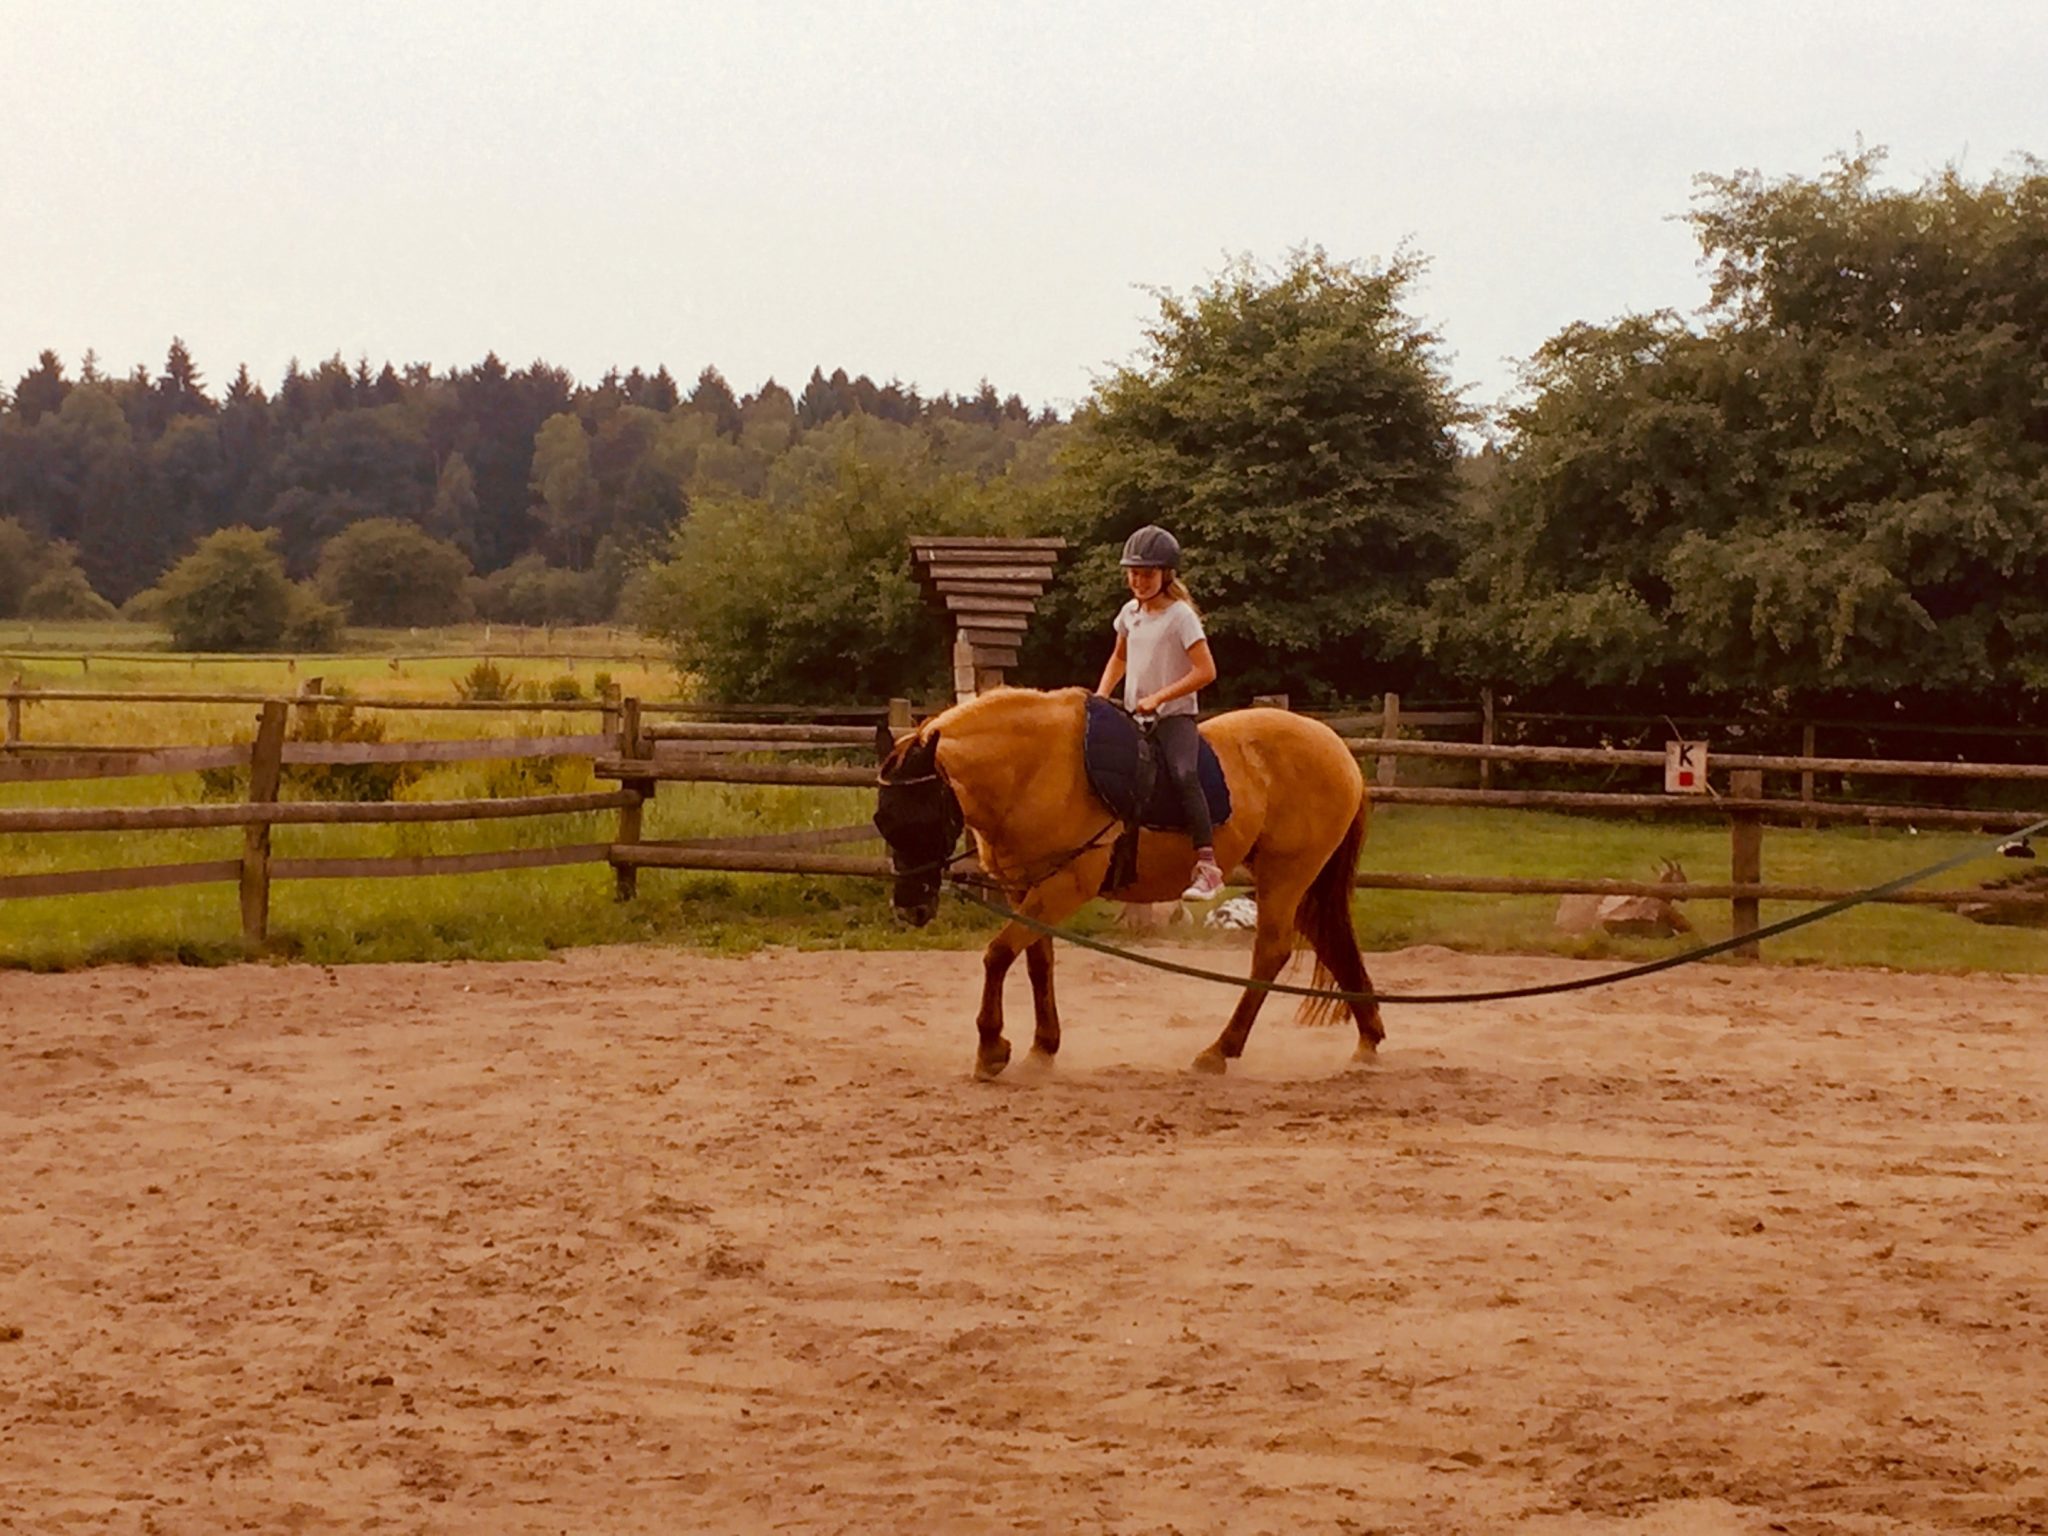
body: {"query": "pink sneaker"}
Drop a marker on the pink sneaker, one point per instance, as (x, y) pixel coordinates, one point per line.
(1207, 884)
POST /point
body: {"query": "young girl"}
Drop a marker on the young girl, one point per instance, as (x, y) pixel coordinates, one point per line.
(1162, 657)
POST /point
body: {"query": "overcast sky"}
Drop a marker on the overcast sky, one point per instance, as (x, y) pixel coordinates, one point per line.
(929, 192)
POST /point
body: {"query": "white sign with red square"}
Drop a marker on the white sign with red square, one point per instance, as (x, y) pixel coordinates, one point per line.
(1685, 767)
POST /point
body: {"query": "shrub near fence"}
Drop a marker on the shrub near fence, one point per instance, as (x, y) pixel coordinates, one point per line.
(642, 755)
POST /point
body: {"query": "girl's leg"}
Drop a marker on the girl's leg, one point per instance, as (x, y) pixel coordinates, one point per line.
(1179, 747)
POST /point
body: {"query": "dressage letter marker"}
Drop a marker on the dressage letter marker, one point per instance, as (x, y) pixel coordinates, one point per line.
(1685, 767)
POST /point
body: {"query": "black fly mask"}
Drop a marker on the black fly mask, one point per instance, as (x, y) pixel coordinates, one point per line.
(919, 819)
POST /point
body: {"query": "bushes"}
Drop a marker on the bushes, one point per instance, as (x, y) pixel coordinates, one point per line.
(323, 781)
(530, 591)
(40, 579)
(486, 682)
(229, 594)
(390, 573)
(65, 594)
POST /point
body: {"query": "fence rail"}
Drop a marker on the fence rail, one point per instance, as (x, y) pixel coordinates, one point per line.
(641, 755)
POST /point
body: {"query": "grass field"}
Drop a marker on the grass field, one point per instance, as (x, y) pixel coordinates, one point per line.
(528, 913)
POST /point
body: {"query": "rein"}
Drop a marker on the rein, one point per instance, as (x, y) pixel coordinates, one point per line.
(970, 888)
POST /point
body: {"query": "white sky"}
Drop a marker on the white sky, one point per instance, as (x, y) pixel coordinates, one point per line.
(932, 192)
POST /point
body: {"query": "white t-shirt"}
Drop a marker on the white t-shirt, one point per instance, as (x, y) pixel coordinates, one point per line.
(1156, 649)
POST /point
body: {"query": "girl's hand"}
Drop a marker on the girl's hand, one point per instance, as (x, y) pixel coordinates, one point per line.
(1149, 705)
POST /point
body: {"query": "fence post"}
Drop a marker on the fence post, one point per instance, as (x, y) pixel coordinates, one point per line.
(310, 689)
(1486, 736)
(1746, 856)
(1806, 750)
(266, 767)
(900, 721)
(1390, 730)
(610, 717)
(626, 877)
(1269, 701)
(14, 716)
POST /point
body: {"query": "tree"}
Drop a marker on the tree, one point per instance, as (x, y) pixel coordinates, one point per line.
(713, 397)
(1837, 485)
(814, 598)
(565, 494)
(1294, 428)
(24, 558)
(181, 391)
(387, 573)
(347, 466)
(41, 390)
(452, 517)
(229, 594)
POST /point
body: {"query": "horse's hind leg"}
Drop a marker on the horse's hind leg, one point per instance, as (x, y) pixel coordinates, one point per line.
(1045, 1034)
(1271, 949)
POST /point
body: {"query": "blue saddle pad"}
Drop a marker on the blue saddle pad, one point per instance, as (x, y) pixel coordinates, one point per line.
(1110, 746)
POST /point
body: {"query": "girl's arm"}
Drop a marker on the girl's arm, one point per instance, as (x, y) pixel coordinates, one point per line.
(1113, 671)
(1201, 673)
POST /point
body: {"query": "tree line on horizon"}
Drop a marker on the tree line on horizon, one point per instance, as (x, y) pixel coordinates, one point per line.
(1830, 487)
(108, 481)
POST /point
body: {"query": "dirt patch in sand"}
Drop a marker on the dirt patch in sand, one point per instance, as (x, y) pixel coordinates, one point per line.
(643, 1241)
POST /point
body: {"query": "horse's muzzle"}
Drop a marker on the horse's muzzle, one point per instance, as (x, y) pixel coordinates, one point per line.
(916, 900)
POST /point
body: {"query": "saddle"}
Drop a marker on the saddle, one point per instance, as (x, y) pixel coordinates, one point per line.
(1125, 772)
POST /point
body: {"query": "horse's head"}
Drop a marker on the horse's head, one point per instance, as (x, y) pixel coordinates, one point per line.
(918, 818)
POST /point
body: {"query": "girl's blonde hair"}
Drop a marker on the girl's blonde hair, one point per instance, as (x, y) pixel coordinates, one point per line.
(1178, 591)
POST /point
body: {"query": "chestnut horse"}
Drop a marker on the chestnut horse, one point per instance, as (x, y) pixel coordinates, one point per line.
(1007, 765)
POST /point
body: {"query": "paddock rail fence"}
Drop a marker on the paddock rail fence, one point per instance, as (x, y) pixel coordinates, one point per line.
(724, 744)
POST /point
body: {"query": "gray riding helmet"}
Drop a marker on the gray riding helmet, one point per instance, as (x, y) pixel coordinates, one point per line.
(1152, 546)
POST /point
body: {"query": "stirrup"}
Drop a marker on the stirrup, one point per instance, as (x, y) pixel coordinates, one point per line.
(1207, 884)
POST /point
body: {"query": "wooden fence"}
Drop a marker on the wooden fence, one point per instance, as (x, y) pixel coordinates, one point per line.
(640, 754)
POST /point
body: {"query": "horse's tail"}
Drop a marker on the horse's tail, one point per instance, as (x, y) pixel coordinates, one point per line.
(1324, 921)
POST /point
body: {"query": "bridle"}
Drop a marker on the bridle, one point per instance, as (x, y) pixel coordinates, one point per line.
(956, 822)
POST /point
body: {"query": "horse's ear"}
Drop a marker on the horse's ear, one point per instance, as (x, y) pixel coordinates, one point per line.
(928, 750)
(885, 743)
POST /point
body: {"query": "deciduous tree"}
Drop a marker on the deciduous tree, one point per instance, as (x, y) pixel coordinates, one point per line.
(1294, 428)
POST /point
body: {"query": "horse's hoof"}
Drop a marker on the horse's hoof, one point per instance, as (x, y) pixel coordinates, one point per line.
(1212, 1061)
(990, 1060)
(1367, 1055)
(1037, 1063)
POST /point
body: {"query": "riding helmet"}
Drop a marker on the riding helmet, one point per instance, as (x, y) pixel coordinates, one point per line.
(1152, 546)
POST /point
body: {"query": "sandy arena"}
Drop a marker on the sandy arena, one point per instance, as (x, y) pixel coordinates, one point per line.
(643, 1241)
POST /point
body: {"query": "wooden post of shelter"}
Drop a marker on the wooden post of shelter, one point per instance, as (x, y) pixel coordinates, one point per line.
(1746, 856)
(991, 588)
(266, 768)
(632, 746)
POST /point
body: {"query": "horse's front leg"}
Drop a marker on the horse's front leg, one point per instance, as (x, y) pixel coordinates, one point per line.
(1051, 902)
(992, 1052)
